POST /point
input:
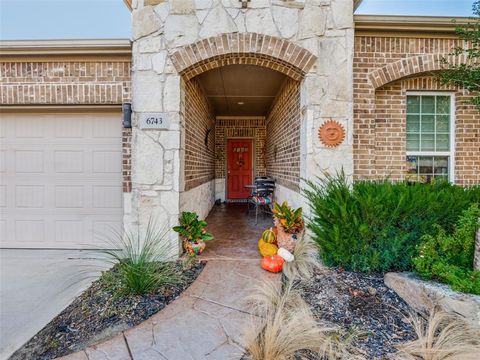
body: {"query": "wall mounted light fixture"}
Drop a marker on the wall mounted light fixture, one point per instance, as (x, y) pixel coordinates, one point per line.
(244, 3)
(206, 136)
(127, 115)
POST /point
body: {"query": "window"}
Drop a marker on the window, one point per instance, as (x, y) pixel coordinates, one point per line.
(429, 136)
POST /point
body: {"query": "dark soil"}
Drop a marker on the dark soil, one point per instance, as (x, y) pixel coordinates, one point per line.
(100, 313)
(362, 306)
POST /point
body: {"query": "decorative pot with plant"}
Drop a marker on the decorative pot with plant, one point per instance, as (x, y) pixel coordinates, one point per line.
(193, 233)
(289, 223)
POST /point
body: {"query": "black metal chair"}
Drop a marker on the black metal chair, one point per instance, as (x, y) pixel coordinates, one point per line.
(262, 196)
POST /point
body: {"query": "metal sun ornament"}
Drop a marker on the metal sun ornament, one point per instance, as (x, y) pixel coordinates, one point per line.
(331, 133)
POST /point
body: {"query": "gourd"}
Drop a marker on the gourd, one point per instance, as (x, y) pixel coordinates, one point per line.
(272, 263)
(285, 254)
(269, 236)
(266, 249)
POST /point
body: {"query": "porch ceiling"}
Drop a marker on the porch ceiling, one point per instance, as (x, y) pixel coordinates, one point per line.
(226, 88)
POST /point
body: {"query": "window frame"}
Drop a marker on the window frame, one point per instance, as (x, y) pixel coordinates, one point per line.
(451, 153)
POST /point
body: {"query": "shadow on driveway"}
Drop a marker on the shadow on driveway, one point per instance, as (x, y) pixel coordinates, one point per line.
(35, 286)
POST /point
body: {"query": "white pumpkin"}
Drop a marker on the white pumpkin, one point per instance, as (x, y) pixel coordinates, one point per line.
(285, 254)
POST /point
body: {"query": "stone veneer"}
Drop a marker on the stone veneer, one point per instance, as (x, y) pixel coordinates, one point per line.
(309, 40)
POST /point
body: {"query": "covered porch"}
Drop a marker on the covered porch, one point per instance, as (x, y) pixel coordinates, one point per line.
(241, 121)
(236, 234)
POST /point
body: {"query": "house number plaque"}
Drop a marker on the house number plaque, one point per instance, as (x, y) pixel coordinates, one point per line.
(153, 121)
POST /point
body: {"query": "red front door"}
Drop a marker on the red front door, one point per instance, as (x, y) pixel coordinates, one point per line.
(239, 167)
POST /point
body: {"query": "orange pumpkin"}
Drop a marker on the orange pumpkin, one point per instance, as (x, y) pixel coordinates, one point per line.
(272, 263)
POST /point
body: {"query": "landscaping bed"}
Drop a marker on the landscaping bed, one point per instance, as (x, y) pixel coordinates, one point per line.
(363, 306)
(101, 312)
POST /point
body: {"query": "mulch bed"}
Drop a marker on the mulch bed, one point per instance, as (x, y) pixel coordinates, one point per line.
(360, 304)
(100, 313)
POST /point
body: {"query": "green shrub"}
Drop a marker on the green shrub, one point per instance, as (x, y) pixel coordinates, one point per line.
(141, 263)
(376, 225)
(449, 258)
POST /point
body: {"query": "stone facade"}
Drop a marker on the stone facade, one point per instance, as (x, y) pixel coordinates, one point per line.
(385, 68)
(178, 39)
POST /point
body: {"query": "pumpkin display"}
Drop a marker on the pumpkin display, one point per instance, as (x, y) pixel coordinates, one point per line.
(266, 249)
(269, 236)
(285, 254)
(272, 263)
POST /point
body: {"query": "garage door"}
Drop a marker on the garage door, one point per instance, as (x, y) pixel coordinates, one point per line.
(61, 179)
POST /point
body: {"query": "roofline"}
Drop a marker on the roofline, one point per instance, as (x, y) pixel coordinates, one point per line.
(435, 24)
(356, 4)
(66, 47)
(128, 4)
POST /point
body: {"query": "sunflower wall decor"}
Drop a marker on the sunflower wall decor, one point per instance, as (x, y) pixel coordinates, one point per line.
(331, 133)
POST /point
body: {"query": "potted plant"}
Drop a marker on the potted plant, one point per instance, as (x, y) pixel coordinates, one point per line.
(193, 233)
(289, 223)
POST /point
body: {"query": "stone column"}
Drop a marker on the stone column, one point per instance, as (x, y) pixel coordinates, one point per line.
(327, 90)
(156, 87)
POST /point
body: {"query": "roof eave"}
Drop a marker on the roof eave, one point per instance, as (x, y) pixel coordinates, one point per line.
(356, 4)
(66, 47)
(435, 24)
(128, 4)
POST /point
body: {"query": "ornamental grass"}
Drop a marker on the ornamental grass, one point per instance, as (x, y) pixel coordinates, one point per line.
(441, 337)
(286, 327)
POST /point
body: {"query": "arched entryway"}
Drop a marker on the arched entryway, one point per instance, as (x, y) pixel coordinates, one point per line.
(240, 105)
(243, 48)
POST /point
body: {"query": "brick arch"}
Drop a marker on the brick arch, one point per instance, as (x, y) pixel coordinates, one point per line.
(243, 48)
(411, 66)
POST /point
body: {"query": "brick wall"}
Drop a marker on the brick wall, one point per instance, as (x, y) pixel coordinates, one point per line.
(243, 48)
(380, 105)
(283, 136)
(253, 127)
(199, 158)
(127, 159)
(64, 82)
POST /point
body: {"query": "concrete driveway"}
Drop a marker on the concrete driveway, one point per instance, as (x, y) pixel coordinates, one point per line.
(36, 285)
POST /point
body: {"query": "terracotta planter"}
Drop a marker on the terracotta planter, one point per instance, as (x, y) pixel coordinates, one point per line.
(194, 247)
(286, 240)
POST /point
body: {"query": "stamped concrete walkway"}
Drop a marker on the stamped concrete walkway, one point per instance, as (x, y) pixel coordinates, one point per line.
(207, 321)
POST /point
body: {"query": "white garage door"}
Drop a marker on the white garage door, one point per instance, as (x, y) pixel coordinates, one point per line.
(61, 179)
